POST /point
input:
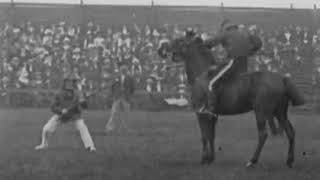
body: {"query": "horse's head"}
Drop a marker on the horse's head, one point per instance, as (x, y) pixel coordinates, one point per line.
(179, 49)
(174, 49)
(190, 50)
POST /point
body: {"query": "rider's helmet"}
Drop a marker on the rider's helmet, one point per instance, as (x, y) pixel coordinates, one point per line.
(227, 25)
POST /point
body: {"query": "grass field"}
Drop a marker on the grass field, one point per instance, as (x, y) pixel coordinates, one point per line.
(162, 145)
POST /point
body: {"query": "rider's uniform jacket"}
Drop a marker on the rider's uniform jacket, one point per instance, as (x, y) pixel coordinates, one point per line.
(238, 43)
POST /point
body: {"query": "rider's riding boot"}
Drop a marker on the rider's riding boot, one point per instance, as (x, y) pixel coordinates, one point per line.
(212, 102)
(210, 108)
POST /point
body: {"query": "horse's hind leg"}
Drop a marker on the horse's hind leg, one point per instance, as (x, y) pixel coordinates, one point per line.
(204, 156)
(262, 133)
(286, 124)
(205, 128)
(212, 131)
(291, 137)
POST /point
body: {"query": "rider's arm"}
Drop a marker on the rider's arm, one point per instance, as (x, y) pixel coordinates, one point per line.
(256, 43)
(210, 43)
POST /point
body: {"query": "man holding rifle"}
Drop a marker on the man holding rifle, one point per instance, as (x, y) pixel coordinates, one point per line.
(67, 107)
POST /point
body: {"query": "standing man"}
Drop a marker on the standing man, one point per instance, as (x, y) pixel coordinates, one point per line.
(122, 90)
(67, 107)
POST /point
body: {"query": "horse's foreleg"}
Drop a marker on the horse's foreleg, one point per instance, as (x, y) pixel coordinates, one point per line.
(204, 156)
(262, 133)
(204, 124)
(213, 122)
(273, 127)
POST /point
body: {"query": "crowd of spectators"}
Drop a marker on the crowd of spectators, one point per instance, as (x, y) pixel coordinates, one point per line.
(37, 56)
(286, 48)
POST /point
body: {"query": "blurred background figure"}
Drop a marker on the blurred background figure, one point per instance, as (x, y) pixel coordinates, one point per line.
(122, 91)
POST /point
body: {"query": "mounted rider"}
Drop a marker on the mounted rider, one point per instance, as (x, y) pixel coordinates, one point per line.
(239, 44)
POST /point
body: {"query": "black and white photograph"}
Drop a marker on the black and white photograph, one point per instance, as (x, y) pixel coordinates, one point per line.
(159, 89)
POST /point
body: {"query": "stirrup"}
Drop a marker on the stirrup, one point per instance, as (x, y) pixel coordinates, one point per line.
(211, 114)
(203, 110)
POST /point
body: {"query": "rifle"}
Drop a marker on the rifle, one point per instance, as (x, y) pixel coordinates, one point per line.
(74, 107)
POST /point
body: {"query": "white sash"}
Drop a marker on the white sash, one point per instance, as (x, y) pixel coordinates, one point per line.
(214, 79)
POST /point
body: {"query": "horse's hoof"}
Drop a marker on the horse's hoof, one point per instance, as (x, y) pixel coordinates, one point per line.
(206, 161)
(250, 164)
(290, 163)
(210, 159)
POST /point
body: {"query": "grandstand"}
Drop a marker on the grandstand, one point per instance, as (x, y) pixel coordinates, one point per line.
(112, 15)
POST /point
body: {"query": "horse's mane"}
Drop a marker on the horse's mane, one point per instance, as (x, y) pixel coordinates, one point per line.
(203, 49)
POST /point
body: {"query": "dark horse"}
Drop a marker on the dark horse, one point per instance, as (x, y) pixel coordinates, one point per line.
(267, 94)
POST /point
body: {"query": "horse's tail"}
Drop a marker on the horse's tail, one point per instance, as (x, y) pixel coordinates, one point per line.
(292, 91)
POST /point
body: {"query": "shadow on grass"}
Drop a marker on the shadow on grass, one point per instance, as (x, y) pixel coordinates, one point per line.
(181, 164)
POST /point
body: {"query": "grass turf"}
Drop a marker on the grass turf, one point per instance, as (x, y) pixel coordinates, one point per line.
(162, 145)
